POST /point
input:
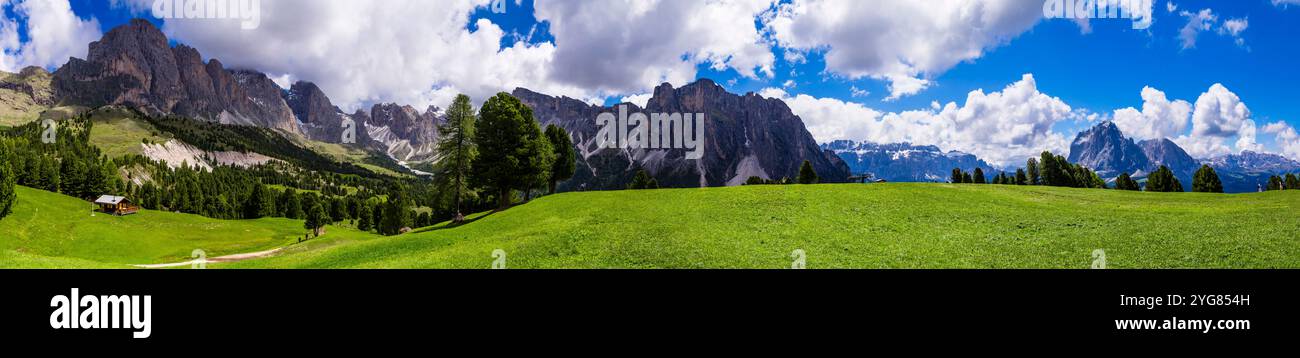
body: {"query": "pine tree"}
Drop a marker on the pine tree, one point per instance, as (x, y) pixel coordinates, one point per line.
(1292, 182)
(338, 210)
(513, 152)
(1021, 177)
(289, 204)
(257, 205)
(806, 173)
(459, 152)
(640, 181)
(957, 177)
(366, 217)
(8, 179)
(1126, 182)
(565, 157)
(979, 176)
(1163, 181)
(316, 219)
(966, 178)
(1034, 176)
(1206, 181)
(396, 217)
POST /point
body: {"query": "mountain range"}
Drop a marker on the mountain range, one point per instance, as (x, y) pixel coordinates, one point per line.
(134, 65)
(903, 162)
(1107, 150)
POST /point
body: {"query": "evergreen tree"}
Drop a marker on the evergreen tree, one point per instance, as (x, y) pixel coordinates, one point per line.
(513, 152)
(565, 157)
(289, 204)
(365, 219)
(338, 210)
(1275, 183)
(1021, 177)
(1034, 176)
(957, 177)
(966, 178)
(979, 176)
(316, 219)
(8, 179)
(1126, 182)
(1292, 182)
(640, 181)
(459, 151)
(258, 204)
(1163, 181)
(1206, 181)
(396, 217)
(806, 173)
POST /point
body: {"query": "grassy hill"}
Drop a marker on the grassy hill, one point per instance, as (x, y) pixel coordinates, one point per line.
(49, 230)
(838, 226)
(850, 226)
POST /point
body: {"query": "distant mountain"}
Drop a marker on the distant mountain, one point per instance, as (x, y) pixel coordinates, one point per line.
(134, 65)
(407, 135)
(744, 136)
(903, 162)
(1167, 153)
(1254, 162)
(1105, 149)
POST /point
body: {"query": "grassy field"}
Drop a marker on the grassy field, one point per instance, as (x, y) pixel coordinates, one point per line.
(117, 132)
(850, 226)
(49, 230)
(837, 226)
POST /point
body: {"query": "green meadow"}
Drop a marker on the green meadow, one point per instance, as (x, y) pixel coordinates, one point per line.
(835, 226)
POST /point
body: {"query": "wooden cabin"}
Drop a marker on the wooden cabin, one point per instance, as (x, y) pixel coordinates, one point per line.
(116, 205)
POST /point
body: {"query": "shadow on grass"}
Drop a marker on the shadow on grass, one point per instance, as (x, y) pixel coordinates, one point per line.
(450, 225)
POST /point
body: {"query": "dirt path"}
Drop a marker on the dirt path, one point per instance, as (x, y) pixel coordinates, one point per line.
(219, 259)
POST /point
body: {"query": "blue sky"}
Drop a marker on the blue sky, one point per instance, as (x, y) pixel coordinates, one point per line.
(1098, 71)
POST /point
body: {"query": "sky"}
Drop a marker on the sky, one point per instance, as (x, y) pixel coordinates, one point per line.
(996, 78)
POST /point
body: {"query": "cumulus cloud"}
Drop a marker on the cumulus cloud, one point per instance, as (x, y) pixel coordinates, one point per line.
(422, 52)
(630, 46)
(1288, 141)
(54, 34)
(1221, 124)
(900, 41)
(1159, 118)
(1002, 127)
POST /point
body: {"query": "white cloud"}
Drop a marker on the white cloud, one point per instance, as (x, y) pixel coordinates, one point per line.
(1003, 127)
(640, 100)
(1284, 3)
(1205, 20)
(54, 34)
(630, 46)
(1159, 117)
(420, 52)
(1221, 125)
(900, 41)
(1170, 6)
(1234, 28)
(1288, 141)
(1196, 22)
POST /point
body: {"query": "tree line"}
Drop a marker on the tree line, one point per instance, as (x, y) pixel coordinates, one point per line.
(1054, 170)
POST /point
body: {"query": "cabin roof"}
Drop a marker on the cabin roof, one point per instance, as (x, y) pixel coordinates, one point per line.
(110, 200)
